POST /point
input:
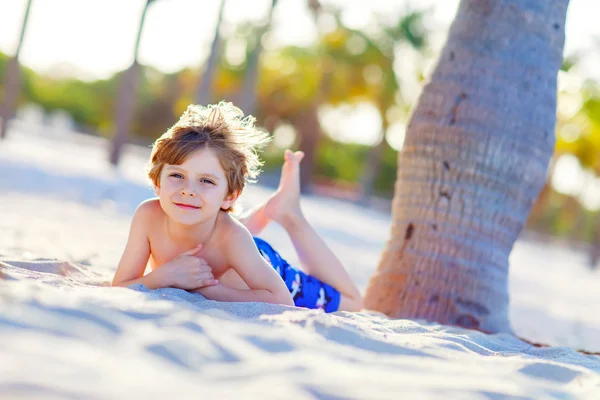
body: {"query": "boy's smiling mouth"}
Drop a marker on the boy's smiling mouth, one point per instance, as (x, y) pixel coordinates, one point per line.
(187, 206)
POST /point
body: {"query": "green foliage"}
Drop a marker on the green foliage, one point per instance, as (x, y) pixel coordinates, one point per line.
(410, 28)
(342, 162)
(562, 216)
(577, 135)
(585, 143)
(3, 61)
(77, 97)
(384, 183)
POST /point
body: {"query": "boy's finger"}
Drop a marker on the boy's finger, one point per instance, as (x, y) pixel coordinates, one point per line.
(208, 282)
(299, 155)
(202, 260)
(205, 278)
(203, 275)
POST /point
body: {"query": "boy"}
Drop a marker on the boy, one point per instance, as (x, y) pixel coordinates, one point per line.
(199, 167)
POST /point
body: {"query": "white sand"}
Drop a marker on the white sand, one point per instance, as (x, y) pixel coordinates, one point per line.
(64, 336)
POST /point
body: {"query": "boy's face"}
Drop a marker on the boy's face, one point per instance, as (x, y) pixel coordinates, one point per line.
(194, 191)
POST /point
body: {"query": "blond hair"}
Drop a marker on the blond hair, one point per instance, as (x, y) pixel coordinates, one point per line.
(222, 128)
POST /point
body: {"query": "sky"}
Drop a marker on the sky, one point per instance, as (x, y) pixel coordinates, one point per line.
(94, 39)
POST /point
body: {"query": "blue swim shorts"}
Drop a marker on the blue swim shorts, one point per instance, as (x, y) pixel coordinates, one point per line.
(306, 290)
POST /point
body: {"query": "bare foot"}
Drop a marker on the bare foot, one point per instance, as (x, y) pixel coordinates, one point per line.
(284, 206)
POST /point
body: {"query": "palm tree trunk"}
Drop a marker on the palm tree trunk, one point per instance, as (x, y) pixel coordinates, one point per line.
(247, 98)
(12, 80)
(473, 162)
(127, 96)
(205, 85)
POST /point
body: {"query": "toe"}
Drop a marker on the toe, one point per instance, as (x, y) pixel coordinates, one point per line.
(288, 155)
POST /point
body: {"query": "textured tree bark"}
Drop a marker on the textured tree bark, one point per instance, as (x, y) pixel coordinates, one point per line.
(473, 162)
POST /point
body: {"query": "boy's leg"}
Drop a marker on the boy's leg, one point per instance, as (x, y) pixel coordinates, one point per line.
(314, 254)
(255, 220)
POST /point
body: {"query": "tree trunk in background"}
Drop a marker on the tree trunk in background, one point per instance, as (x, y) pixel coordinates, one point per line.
(127, 96)
(247, 96)
(473, 162)
(536, 219)
(12, 87)
(373, 165)
(204, 90)
(125, 110)
(12, 80)
(309, 130)
(405, 31)
(594, 255)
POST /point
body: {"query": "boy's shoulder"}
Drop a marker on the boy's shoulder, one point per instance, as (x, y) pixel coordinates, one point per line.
(149, 208)
(230, 228)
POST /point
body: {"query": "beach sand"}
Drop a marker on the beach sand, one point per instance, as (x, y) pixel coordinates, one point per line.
(65, 334)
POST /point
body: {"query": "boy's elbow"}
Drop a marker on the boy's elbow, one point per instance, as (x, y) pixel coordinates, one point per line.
(120, 282)
(116, 283)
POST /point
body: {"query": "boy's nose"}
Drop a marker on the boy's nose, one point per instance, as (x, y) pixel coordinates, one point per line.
(187, 192)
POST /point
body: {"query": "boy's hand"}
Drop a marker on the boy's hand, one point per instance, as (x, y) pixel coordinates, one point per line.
(187, 271)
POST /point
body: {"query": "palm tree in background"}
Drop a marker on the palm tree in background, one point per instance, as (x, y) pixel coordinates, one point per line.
(125, 106)
(333, 54)
(327, 73)
(12, 79)
(247, 96)
(474, 160)
(204, 90)
(408, 30)
(307, 122)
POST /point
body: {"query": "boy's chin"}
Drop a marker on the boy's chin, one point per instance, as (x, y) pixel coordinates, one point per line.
(186, 220)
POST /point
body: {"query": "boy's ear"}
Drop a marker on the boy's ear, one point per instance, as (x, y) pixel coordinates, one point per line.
(230, 199)
(156, 189)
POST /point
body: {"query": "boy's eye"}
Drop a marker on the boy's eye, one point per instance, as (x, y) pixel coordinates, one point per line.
(207, 181)
(179, 176)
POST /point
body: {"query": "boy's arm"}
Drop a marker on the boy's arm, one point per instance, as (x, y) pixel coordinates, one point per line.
(137, 251)
(265, 284)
